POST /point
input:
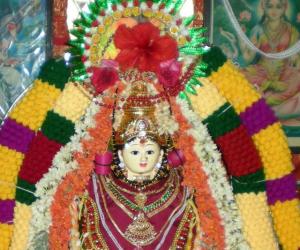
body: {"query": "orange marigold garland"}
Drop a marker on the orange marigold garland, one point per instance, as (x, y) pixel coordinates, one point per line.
(194, 177)
(75, 182)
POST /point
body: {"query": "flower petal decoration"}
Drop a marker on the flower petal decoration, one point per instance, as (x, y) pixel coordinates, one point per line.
(169, 73)
(142, 47)
(104, 77)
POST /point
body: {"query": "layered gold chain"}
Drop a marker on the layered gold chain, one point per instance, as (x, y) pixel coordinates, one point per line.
(140, 198)
(140, 232)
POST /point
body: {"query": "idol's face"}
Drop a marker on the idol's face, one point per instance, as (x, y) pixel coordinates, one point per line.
(140, 157)
(274, 9)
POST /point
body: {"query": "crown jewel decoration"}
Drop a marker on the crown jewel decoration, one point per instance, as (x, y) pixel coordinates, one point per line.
(150, 37)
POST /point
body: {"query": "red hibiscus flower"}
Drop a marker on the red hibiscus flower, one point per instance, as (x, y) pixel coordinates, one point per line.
(142, 47)
(104, 77)
(169, 73)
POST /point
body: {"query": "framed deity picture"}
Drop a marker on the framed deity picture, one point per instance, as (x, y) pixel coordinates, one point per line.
(23, 46)
(262, 38)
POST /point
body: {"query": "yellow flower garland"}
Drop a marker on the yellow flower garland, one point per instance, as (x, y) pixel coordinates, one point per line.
(207, 100)
(10, 163)
(5, 235)
(257, 224)
(203, 104)
(72, 102)
(32, 109)
(274, 152)
(271, 145)
(287, 228)
(22, 218)
(234, 87)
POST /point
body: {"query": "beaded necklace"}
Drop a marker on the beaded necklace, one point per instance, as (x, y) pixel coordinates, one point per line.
(152, 209)
(143, 240)
(155, 191)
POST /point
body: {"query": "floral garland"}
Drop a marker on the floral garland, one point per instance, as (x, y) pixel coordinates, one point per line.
(207, 102)
(270, 142)
(62, 165)
(75, 181)
(22, 218)
(257, 119)
(16, 135)
(194, 177)
(217, 179)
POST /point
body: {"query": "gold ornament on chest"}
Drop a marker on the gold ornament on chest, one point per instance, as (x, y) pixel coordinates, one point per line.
(140, 232)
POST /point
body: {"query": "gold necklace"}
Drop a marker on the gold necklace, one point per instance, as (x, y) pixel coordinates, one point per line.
(141, 199)
(162, 173)
(170, 179)
(140, 232)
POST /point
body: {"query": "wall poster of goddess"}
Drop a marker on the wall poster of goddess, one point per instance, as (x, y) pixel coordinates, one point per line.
(272, 27)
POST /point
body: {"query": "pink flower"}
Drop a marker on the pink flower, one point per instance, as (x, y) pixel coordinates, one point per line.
(105, 76)
(169, 73)
(245, 15)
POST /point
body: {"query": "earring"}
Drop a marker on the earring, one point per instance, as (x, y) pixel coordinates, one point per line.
(121, 165)
(125, 172)
(158, 165)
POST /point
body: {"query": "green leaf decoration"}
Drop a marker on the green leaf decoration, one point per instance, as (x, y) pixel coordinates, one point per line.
(178, 5)
(190, 89)
(79, 71)
(76, 51)
(80, 24)
(77, 64)
(182, 95)
(187, 21)
(201, 66)
(102, 4)
(198, 30)
(79, 78)
(168, 3)
(194, 81)
(86, 19)
(196, 42)
(76, 43)
(94, 9)
(200, 73)
(192, 50)
(78, 33)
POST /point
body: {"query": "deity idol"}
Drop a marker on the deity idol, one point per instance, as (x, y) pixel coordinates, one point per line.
(129, 155)
(142, 204)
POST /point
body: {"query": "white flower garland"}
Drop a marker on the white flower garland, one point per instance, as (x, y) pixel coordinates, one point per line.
(204, 148)
(167, 124)
(62, 164)
(207, 151)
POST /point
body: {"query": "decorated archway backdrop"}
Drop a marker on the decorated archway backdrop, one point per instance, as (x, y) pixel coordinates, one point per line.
(245, 130)
(36, 134)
